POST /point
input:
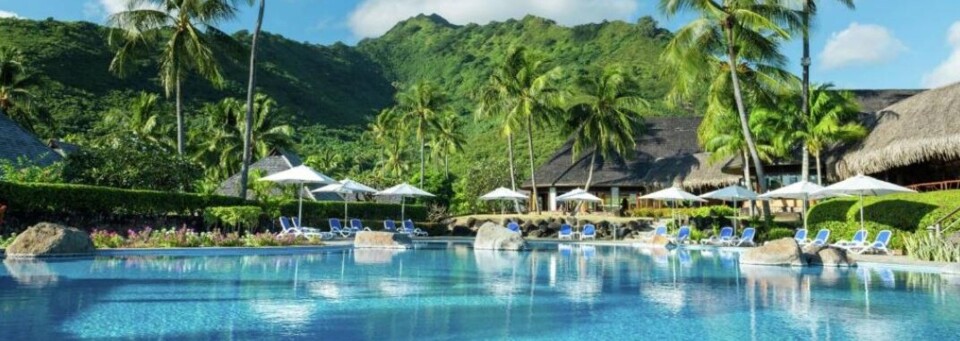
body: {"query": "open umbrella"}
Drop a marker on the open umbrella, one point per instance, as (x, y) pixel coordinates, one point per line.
(674, 195)
(503, 193)
(344, 187)
(862, 185)
(732, 193)
(803, 190)
(578, 195)
(299, 175)
(404, 190)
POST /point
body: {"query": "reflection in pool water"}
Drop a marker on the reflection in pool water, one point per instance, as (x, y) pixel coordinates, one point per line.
(452, 291)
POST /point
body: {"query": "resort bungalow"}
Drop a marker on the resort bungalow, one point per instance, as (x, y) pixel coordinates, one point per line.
(18, 143)
(277, 161)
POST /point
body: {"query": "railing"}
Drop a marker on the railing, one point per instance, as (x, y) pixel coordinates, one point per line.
(935, 186)
(937, 225)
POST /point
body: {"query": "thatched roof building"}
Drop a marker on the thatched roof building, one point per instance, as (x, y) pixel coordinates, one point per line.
(279, 160)
(667, 153)
(920, 129)
(16, 142)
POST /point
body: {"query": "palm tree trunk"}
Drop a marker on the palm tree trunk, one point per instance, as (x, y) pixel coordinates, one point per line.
(593, 162)
(422, 162)
(745, 121)
(179, 116)
(513, 172)
(248, 120)
(533, 176)
(446, 166)
(747, 181)
(819, 174)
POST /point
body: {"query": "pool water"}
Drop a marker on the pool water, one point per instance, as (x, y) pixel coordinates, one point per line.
(442, 291)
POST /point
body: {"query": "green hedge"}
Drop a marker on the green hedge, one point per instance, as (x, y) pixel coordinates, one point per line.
(901, 213)
(317, 212)
(83, 199)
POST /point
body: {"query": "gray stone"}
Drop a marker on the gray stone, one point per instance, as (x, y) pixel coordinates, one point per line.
(826, 256)
(461, 231)
(48, 239)
(382, 240)
(780, 252)
(491, 236)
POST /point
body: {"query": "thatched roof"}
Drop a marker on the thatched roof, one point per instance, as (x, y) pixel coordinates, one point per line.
(917, 129)
(667, 152)
(277, 161)
(16, 142)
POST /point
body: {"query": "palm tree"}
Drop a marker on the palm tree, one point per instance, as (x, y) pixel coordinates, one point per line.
(141, 120)
(604, 116)
(248, 118)
(490, 107)
(14, 82)
(743, 32)
(523, 89)
(807, 13)
(422, 106)
(188, 28)
(447, 140)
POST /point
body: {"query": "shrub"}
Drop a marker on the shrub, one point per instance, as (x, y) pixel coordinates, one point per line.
(4, 242)
(106, 240)
(132, 164)
(778, 233)
(240, 217)
(927, 246)
(183, 237)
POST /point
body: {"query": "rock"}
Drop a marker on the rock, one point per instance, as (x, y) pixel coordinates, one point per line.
(491, 236)
(809, 254)
(831, 256)
(471, 222)
(553, 226)
(780, 252)
(527, 227)
(382, 240)
(48, 239)
(662, 241)
(461, 231)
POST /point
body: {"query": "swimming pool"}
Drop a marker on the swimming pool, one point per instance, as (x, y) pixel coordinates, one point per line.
(448, 290)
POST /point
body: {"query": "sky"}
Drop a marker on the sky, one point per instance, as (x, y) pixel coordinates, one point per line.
(883, 44)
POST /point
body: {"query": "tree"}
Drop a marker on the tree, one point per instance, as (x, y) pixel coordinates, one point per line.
(14, 82)
(743, 32)
(421, 106)
(187, 28)
(140, 120)
(248, 119)
(604, 116)
(524, 89)
(447, 140)
(387, 131)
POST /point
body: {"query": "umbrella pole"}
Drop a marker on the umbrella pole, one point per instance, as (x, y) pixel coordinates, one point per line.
(736, 215)
(346, 213)
(401, 208)
(861, 211)
(805, 213)
(300, 210)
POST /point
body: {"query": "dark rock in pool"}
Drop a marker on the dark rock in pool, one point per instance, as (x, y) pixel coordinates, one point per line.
(780, 252)
(491, 236)
(48, 239)
(826, 256)
(461, 231)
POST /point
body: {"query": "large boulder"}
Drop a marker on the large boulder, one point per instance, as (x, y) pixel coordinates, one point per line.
(382, 240)
(826, 256)
(662, 241)
(48, 239)
(780, 252)
(491, 236)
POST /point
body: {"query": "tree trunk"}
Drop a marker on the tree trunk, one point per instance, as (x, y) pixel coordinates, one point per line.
(179, 117)
(747, 181)
(446, 166)
(745, 121)
(513, 175)
(533, 175)
(422, 147)
(593, 162)
(819, 174)
(248, 123)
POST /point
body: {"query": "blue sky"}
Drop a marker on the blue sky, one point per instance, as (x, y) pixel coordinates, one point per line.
(881, 44)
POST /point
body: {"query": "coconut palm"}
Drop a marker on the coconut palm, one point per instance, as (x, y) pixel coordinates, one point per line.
(524, 89)
(604, 116)
(248, 118)
(447, 140)
(141, 120)
(421, 107)
(14, 83)
(187, 29)
(742, 32)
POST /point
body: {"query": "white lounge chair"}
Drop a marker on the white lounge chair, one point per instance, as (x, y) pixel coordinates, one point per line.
(800, 236)
(858, 241)
(820, 240)
(880, 244)
(589, 232)
(683, 235)
(566, 232)
(725, 238)
(412, 230)
(337, 228)
(746, 239)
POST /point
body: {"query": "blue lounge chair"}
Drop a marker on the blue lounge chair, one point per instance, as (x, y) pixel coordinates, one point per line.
(724, 238)
(292, 226)
(660, 231)
(858, 241)
(879, 244)
(287, 227)
(589, 232)
(566, 232)
(683, 235)
(413, 230)
(820, 239)
(337, 228)
(800, 236)
(512, 226)
(389, 225)
(746, 239)
(356, 225)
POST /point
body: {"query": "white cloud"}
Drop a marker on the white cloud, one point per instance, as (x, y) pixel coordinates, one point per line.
(372, 18)
(5, 14)
(948, 72)
(101, 9)
(861, 44)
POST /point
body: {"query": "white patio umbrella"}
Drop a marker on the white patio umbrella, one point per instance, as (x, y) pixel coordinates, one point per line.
(344, 187)
(404, 190)
(803, 190)
(674, 195)
(862, 185)
(732, 193)
(299, 175)
(578, 195)
(503, 193)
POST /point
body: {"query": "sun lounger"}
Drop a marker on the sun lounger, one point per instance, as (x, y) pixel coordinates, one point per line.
(389, 225)
(512, 226)
(290, 226)
(566, 232)
(413, 230)
(683, 235)
(589, 232)
(800, 236)
(858, 241)
(724, 238)
(337, 228)
(746, 239)
(356, 225)
(820, 240)
(879, 244)
(296, 223)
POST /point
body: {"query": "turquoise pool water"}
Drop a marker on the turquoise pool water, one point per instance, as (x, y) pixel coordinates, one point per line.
(450, 291)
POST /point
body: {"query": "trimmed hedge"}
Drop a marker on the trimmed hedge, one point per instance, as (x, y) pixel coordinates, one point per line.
(320, 211)
(901, 213)
(83, 199)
